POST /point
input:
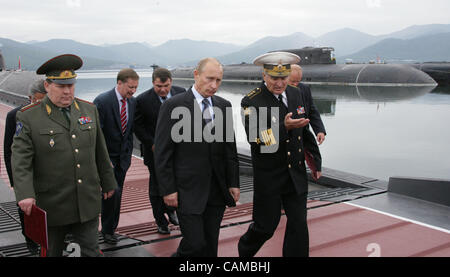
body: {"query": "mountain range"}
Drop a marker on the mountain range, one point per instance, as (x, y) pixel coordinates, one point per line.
(418, 43)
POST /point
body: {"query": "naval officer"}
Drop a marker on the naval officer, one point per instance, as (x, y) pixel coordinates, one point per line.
(60, 161)
(275, 121)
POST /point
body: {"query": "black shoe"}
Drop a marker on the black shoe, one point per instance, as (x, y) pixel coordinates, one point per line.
(110, 239)
(163, 230)
(173, 218)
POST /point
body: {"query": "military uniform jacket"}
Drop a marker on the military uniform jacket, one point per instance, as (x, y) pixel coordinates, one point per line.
(277, 154)
(65, 167)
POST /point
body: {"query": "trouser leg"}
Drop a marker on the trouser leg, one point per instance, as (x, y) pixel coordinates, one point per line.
(200, 232)
(111, 206)
(296, 237)
(158, 209)
(266, 216)
(86, 235)
(56, 243)
(212, 218)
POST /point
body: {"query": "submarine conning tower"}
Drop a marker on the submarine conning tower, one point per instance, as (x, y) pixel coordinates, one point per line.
(314, 55)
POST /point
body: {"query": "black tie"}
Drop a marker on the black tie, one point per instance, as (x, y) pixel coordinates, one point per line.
(163, 98)
(284, 109)
(66, 113)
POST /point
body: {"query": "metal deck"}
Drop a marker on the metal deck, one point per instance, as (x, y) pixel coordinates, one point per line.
(353, 216)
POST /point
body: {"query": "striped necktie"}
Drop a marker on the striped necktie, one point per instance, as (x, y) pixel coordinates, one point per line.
(206, 113)
(123, 115)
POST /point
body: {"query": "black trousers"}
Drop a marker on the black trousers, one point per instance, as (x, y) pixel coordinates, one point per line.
(111, 206)
(266, 216)
(159, 208)
(200, 232)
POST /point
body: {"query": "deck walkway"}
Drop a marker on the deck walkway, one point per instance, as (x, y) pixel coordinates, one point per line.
(341, 222)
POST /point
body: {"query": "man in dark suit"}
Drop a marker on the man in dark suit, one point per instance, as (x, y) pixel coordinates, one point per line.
(116, 109)
(197, 167)
(147, 109)
(275, 120)
(37, 93)
(311, 110)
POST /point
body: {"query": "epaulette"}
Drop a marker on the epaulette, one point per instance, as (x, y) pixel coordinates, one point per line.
(85, 101)
(29, 106)
(254, 92)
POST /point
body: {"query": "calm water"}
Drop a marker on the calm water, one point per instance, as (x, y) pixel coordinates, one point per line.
(375, 132)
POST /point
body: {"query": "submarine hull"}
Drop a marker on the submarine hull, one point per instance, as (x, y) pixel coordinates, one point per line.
(331, 74)
(439, 71)
(15, 86)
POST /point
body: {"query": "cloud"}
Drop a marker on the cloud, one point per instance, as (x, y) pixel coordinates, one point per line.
(73, 3)
(234, 21)
(373, 3)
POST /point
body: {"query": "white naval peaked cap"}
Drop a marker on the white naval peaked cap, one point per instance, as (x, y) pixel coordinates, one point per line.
(277, 64)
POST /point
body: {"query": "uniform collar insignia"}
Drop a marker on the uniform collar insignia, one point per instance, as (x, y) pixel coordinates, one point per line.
(49, 110)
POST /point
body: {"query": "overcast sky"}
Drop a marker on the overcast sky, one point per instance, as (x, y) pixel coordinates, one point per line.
(234, 21)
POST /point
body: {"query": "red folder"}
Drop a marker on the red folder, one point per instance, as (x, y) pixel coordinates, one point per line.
(311, 164)
(36, 227)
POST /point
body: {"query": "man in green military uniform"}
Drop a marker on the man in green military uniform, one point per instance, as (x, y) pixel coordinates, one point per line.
(60, 161)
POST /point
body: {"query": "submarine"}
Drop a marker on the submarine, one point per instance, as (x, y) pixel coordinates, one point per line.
(439, 71)
(15, 84)
(320, 68)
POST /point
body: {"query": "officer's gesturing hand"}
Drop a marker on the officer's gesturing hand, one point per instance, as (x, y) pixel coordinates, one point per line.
(26, 205)
(290, 123)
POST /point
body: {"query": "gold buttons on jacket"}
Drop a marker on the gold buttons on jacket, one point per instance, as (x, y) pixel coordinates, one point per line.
(299, 137)
(80, 181)
(289, 165)
(299, 150)
(74, 136)
(289, 153)
(76, 150)
(78, 165)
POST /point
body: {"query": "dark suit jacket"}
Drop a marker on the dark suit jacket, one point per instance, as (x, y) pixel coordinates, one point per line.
(120, 147)
(187, 167)
(10, 130)
(147, 109)
(146, 117)
(311, 110)
(272, 170)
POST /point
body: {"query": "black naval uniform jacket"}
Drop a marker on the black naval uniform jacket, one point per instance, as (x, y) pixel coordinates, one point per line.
(271, 171)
